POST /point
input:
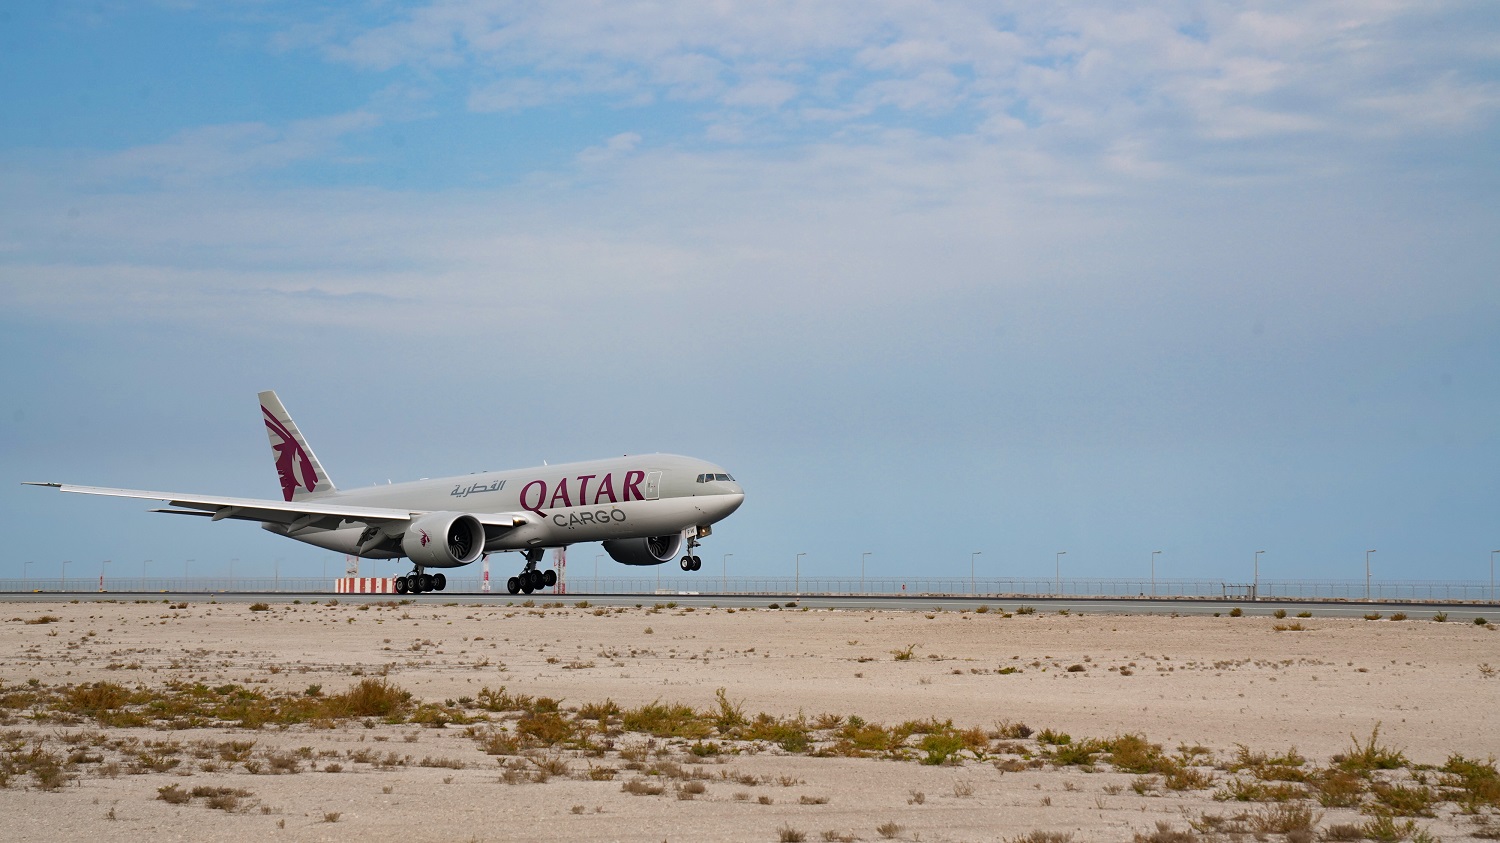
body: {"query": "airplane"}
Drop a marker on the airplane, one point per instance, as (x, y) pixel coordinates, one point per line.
(644, 509)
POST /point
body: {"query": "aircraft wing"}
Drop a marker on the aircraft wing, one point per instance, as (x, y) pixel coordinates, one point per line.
(299, 513)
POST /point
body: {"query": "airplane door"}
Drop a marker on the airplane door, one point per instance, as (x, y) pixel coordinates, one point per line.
(653, 485)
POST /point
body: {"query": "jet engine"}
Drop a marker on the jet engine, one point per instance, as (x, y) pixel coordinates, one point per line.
(652, 550)
(443, 540)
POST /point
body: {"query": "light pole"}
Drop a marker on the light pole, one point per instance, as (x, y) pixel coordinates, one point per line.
(971, 570)
(102, 563)
(1057, 583)
(724, 573)
(65, 575)
(1154, 554)
(1255, 589)
(798, 581)
(231, 572)
(144, 574)
(596, 572)
(26, 570)
(866, 555)
(276, 574)
(1492, 574)
(1367, 573)
(185, 564)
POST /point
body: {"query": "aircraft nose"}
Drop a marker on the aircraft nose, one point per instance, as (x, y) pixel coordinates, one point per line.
(720, 506)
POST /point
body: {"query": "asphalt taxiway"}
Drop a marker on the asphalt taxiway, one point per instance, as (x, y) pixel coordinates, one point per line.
(1460, 612)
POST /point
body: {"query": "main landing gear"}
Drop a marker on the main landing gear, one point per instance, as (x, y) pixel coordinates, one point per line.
(417, 582)
(691, 562)
(530, 579)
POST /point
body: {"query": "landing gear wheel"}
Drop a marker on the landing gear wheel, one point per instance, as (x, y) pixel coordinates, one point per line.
(526, 586)
(426, 581)
(697, 563)
(513, 585)
(686, 563)
(439, 582)
(401, 585)
(549, 579)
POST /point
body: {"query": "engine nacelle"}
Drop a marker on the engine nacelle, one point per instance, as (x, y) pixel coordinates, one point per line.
(443, 540)
(652, 550)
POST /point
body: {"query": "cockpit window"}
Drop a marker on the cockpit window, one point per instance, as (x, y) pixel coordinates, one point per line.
(724, 477)
(710, 478)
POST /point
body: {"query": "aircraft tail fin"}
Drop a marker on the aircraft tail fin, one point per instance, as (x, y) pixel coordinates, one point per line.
(302, 476)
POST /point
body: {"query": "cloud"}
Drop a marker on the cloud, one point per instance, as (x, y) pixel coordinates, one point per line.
(214, 152)
(1078, 82)
(614, 147)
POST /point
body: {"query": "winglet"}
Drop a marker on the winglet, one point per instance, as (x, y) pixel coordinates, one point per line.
(302, 476)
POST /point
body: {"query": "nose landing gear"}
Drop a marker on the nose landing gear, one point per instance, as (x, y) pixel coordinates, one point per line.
(691, 562)
(530, 579)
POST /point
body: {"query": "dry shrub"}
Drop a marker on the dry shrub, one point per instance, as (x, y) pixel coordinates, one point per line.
(547, 728)
(1338, 789)
(283, 762)
(1284, 818)
(1240, 790)
(601, 712)
(666, 721)
(1165, 833)
(1474, 784)
(548, 766)
(1386, 830)
(1133, 754)
(1371, 755)
(496, 742)
(90, 698)
(371, 698)
(1403, 801)
(642, 787)
(1180, 777)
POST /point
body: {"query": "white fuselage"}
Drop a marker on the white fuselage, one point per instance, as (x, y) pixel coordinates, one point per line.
(600, 500)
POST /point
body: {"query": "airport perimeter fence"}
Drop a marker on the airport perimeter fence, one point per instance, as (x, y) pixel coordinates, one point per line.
(703, 583)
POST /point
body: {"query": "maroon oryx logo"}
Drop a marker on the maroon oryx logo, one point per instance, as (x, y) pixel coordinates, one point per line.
(425, 539)
(293, 465)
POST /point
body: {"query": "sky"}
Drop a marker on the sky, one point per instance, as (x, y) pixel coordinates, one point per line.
(930, 278)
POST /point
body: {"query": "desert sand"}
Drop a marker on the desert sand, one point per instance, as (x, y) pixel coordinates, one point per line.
(1219, 683)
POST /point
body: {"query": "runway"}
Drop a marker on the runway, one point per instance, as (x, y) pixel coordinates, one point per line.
(1455, 612)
